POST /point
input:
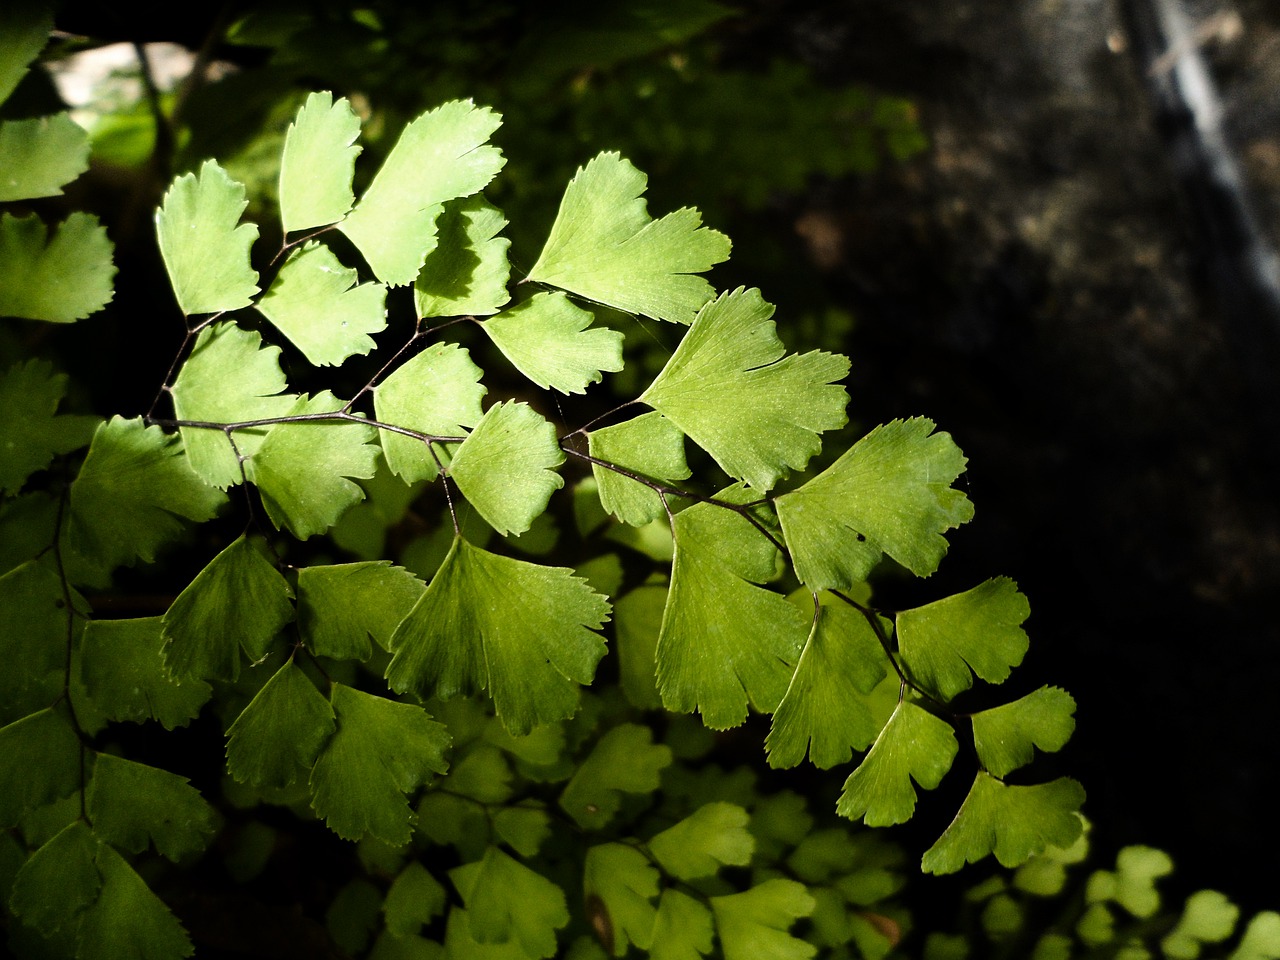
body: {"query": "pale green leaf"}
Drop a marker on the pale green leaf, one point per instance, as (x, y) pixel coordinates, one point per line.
(753, 925)
(546, 338)
(1132, 883)
(33, 638)
(521, 631)
(381, 751)
(59, 881)
(713, 836)
(228, 378)
(39, 762)
(437, 393)
(204, 250)
(1013, 822)
(889, 493)
(440, 156)
(506, 466)
(716, 663)
(134, 492)
(467, 273)
(1006, 736)
(1261, 940)
(826, 711)
(122, 670)
(1045, 874)
(650, 446)
(625, 760)
(318, 163)
(976, 632)
(619, 885)
(24, 30)
(682, 929)
(1209, 917)
(316, 303)
(341, 606)
(40, 156)
(201, 640)
(914, 745)
(277, 737)
(304, 470)
(414, 899)
(507, 902)
(730, 389)
(60, 278)
(605, 247)
(133, 805)
(128, 921)
(31, 431)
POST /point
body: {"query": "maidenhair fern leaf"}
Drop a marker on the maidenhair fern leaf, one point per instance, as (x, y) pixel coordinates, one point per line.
(39, 762)
(133, 806)
(547, 339)
(625, 760)
(713, 836)
(341, 606)
(40, 156)
(650, 446)
(61, 277)
(318, 163)
(1006, 736)
(754, 924)
(31, 432)
(467, 273)
(619, 884)
(277, 737)
(122, 670)
(682, 929)
(509, 903)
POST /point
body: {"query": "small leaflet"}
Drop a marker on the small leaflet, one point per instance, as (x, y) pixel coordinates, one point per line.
(381, 751)
(204, 245)
(506, 468)
(624, 760)
(1006, 736)
(914, 745)
(506, 902)
(826, 711)
(1013, 822)
(1133, 882)
(316, 302)
(467, 273)
(440, 156)
(414, 899)
(755, 923)
(682, 929)
(340, 606)
(976, 632)
(436, 392)
(649, 445)
(604, 246)
(713, 836)
(200, 640)
(1209, 917)
(40, 156)
(277, 737)
(133, 805)
(523, 829)
(59, 278)
(32, 432)
(318, 163)
(619, 884)
(134, 492)
(1261, 939)
(730, 388)
(637, 620)
(547, 339)
(889, 493)
(122, 670)
(39, 762)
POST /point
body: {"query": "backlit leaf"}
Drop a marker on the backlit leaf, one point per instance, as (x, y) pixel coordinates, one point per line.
(625, 760)
(1132, 883)
(467, 273)
(619, 884)
(277, 737)
(60, 278)
(122, 670)
(546, 338)
(649, 445)
(133, 805)
(40, 156)
(318, 163)
(713, 836)
(753, 925)
(1006, 736)
(342, 605)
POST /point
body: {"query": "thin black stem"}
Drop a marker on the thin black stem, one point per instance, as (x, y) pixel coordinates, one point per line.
(604, 416)
(418, 334)
(68, 663)
(335, 416)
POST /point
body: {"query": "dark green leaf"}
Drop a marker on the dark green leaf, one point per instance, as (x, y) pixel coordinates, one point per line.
(277, 737)
(133, 805)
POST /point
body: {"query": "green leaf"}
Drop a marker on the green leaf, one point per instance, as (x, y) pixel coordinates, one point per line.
(753, 925)
(730, 388)
(59, 881)
(682, 929)
(604, 246)
(637, 620)
(467, 273)
(1006, 736)
(341, 606)
(619, 884)
(277, 737)
(888, 493)
(205, 252)
(711, 662)
(60, 279)
(24, 30)
(1013, 822)
(315, 302)
(1209, 917)
(414, 898)
(976, 632)
(625, 760)
(459, 944)
(524, 829)
(826, 711)
(122, 670)
(31, 432)
(133, 493)
(133, 805)
(440, 156)
(506, 466)
(713, 836)
(546, 338)
(227, 378)
(1261, 940)
(508, 902)
(381, 751)
(128, 921)
(39, 762)
(33, 638)
(1045, 874)
(649, 445)
(318, 163)
(914, 744)
(201, 640)
(40, 156)
(1132, 884)
(517, 629)
(437, 392)
(303, 470)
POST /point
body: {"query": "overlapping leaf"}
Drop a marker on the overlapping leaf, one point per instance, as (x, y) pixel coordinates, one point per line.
(467, 273)
(889, 493)
(59, 881)
(24, 30)
(39, 762)
(1006, 736)
(60, 278)
(619, 884)
(605, 247)
(318, 163)
(440, 156)
(625, 760)
(277, 737)
(133, 805)
(1209, 917)
(40, 156)
(713, 836)
(521, 631)
(682, 929)
(509, 903)
(341, 606)
(1132, 883)
(649, 445)
(121, 668)
(33, 637)
(31, 431)
(754, 924)
(127, 921)
(547, 339)
(730, 388)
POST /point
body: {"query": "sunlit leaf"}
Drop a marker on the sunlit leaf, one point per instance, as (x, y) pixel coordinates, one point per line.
(61, 277)
(1006, 736)
(318, 163)
(649, 445)
(547, 339)
(40, 156)
(467, 273)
